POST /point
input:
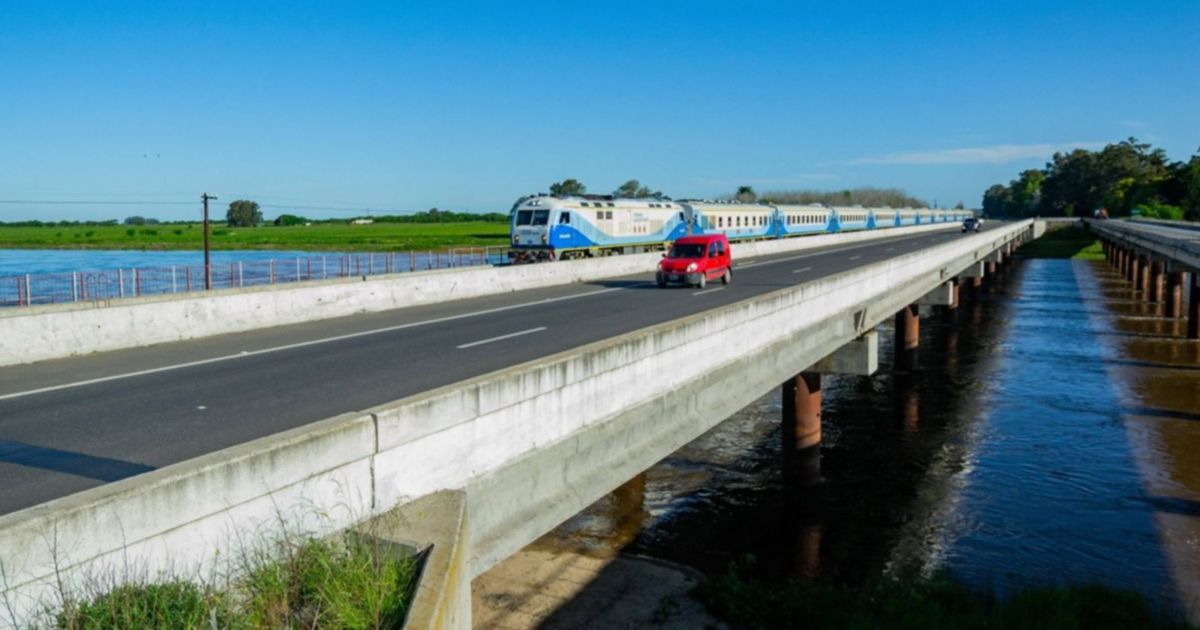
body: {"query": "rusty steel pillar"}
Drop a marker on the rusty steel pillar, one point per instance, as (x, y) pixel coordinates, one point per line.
(1193, 327)
(990, 269)
(908, 335)
(1157, 269)
(1134, 269)
(1176, 281)
(1144, 278)
(802, 428)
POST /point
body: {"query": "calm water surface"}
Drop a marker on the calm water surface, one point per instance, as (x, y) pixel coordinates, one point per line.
(41, 261)
(1050, 434)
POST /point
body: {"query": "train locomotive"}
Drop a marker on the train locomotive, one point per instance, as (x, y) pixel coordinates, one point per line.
(545, 228)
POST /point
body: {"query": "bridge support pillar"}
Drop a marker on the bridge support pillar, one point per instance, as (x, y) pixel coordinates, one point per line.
(802, 428)
(1176, 281)
(1156, 281)
(1193, 328)
(1132, 272)
(908, 336)
(1143, 279)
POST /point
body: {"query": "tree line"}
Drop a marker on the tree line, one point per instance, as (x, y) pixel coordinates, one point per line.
(1120, 178)
(863, 196)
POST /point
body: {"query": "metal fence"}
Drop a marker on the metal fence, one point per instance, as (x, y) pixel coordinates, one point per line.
(108, 285)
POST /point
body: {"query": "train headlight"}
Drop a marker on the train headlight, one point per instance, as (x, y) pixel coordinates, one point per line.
(691, 267)
(543, 238)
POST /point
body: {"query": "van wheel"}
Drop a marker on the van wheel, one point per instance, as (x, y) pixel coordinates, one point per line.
(702, 281)
(726, 277)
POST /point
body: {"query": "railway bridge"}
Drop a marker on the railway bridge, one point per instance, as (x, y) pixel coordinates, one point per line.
(494, 406)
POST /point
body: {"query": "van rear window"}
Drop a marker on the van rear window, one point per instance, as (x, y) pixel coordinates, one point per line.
(689, 250)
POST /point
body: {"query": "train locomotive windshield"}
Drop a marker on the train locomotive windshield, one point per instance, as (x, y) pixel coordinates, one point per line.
(533, 217)
(686, 251)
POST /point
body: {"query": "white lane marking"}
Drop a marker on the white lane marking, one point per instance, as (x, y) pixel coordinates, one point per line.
(709, 291)
(890, 249)
(243, 354)
(779, 260)
(501, 337)
(856, 257)
(803, 270)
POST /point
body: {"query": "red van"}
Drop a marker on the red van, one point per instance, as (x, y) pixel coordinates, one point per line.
(696, 260)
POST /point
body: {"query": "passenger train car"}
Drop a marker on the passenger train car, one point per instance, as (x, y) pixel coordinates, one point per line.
(552, 228)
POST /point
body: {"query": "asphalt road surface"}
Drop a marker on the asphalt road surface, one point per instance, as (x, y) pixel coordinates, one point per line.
(73, 424)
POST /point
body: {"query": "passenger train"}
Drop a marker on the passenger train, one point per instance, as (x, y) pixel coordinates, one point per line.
(552, 228)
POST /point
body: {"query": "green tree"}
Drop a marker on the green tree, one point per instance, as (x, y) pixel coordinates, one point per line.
(290, 219)
(996, 200)
(746, 194)
(633, 189)
(243, 213)
(135, 220)
(568, 188)
(1025, 194)
(1189, 183)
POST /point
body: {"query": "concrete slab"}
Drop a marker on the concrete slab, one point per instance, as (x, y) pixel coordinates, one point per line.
(859, 357)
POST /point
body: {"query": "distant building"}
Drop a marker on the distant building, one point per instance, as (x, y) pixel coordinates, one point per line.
(363, 221)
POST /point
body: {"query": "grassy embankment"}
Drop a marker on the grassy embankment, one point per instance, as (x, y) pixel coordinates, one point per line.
(940, 602)
(1070, 242)
(316, 237)
(344, 582)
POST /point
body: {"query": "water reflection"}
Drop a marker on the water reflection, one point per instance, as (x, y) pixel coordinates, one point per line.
(1049, 432)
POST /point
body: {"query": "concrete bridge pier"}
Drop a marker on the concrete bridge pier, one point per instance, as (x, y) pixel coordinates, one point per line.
(1141, 279)
(1155, 293)
(1123, 262)
(1193, 328)
(801, 397)
(908, 336)
(1176, 281)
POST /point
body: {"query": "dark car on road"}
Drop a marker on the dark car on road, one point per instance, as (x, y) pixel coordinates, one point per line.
(971, 225)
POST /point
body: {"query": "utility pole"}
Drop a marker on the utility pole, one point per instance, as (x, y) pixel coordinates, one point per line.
(207, 266)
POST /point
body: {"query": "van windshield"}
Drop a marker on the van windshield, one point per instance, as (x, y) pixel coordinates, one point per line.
(695, 250)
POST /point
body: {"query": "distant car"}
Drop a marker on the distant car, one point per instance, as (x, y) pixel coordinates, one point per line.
(971, 225)
(694, 260)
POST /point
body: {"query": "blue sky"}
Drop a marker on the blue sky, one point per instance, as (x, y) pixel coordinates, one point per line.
(400, 106)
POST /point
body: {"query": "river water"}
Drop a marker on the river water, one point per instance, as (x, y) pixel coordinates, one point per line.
(1049, 434)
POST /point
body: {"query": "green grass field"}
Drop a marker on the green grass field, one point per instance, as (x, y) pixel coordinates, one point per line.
(1070, 242)
(318, 237)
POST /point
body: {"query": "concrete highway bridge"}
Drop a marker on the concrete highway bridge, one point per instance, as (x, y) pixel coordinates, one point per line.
(1160, 259)
(470, 409)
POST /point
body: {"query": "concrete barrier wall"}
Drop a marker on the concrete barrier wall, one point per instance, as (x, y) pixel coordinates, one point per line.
(56, 331)
(530, 445)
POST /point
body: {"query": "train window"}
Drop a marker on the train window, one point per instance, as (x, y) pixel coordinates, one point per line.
(564, 218)
(611, 204)
(540, 217)
(584, 204)
(524, 217)
(681, 216)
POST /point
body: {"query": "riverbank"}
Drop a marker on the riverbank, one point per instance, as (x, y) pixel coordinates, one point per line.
(339, 237)
(1072, 242)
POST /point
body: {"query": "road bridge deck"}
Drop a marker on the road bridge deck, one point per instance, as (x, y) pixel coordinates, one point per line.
(71, 424)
